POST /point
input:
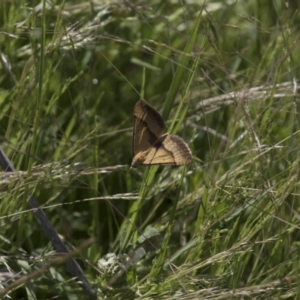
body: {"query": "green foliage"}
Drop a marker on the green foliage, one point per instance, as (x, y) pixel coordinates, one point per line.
(225, 77)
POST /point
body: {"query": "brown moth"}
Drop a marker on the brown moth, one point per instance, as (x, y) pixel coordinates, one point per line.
(150, 146)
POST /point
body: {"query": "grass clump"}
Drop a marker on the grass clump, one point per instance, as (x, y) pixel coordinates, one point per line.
(224, 76)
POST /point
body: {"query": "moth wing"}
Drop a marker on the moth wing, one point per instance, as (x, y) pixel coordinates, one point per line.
(169, 150)
(148, 127)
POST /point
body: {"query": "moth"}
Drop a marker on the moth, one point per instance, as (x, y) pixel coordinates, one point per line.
(151, 145)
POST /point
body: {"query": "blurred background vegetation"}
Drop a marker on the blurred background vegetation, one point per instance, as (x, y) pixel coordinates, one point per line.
(70, 75)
